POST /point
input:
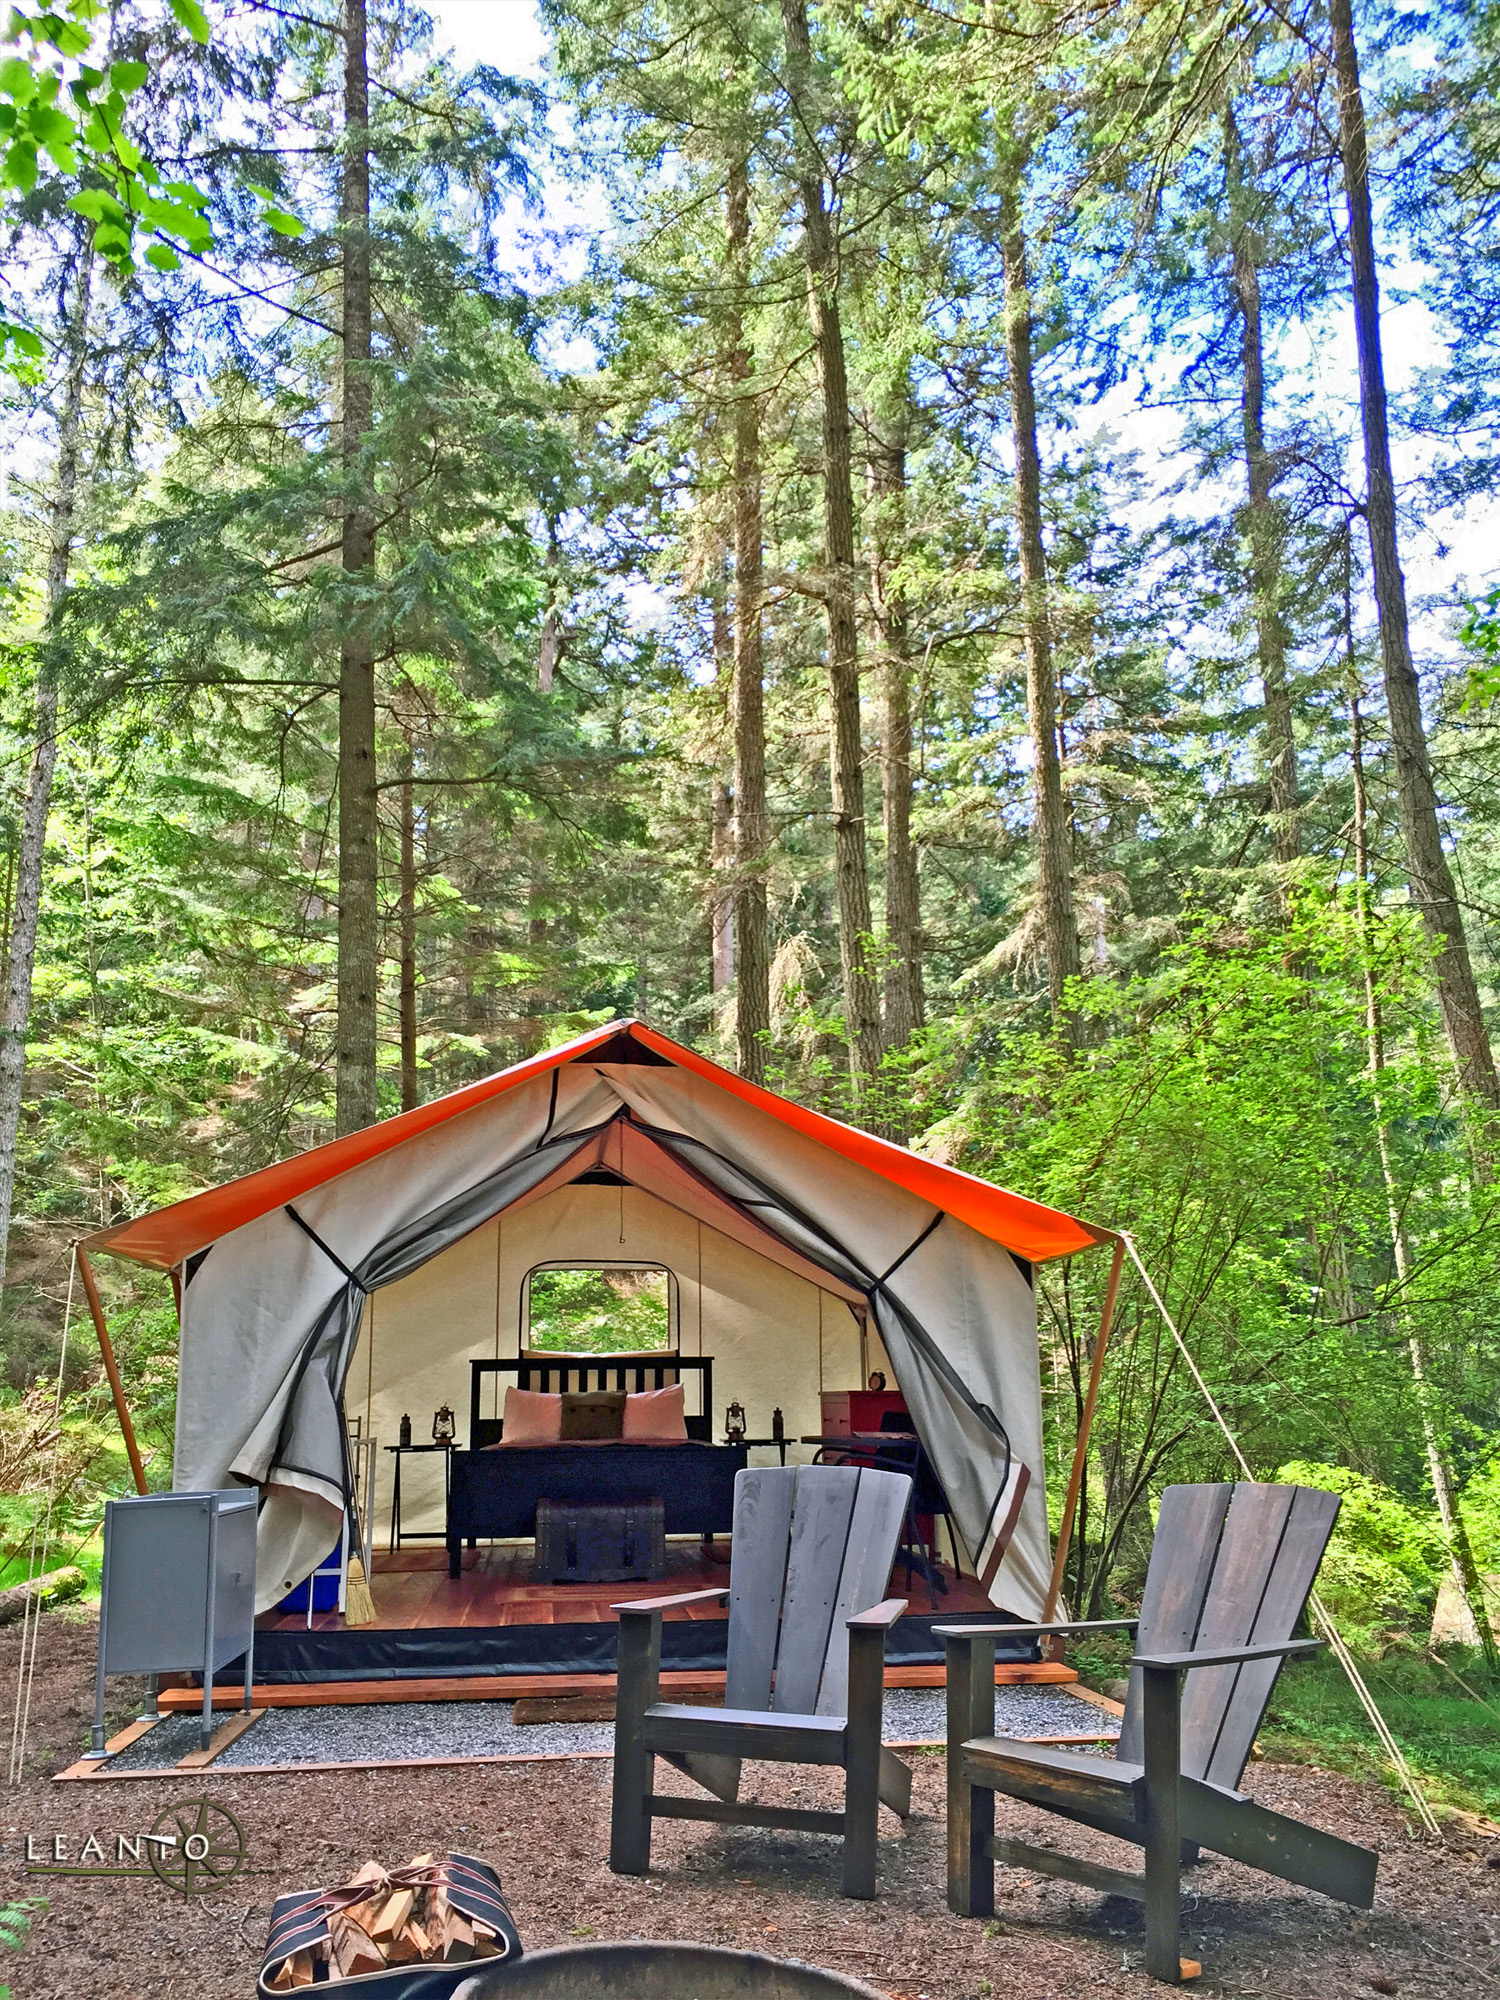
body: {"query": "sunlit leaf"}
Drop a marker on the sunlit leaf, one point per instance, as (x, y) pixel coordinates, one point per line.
(17, 79)
(20, 166)
(192, 17)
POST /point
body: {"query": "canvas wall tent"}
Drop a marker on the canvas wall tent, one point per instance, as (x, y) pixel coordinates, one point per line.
(381, 1262)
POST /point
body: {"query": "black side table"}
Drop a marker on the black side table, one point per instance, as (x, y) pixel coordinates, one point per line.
(777, 1444)
(418, 1534)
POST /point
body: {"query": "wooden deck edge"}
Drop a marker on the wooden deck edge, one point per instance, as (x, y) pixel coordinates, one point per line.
(512, 1687)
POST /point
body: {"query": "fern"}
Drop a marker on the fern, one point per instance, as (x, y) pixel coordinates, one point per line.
(15, 1922)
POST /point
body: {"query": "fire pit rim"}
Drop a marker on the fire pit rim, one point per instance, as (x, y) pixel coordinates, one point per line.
(821, 1983)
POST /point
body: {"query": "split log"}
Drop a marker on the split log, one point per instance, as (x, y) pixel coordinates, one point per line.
(393, 1916)
(351, 1948)
(404, 1948)
(367, 1914)
(54, 1588)
(457, 1936)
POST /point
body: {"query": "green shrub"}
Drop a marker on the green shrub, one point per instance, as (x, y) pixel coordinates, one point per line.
(1385, 1559)
(1481, 1505)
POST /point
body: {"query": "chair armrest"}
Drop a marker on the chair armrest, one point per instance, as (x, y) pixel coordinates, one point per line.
(1034, 1631)
(1227, 1656)
(643, 1606)
(880, 1617)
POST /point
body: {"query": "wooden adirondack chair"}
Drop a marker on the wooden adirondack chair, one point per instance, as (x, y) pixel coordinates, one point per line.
(811, 1556)
(1230, 1573)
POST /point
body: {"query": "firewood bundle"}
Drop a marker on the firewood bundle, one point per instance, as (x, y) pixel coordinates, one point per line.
(387, 1917)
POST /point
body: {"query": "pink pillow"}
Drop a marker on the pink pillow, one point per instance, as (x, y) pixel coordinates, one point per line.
(656, 1414)
(531, 1418)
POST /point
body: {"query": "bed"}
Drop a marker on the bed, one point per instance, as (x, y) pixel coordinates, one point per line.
(495, 1493)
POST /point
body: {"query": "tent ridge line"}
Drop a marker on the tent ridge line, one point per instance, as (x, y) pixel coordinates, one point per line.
(779, 1107)
(201, 1219)
(915, 1245)
(306, 1227)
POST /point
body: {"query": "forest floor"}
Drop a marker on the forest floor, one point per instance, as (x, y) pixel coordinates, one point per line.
(1435, 1929)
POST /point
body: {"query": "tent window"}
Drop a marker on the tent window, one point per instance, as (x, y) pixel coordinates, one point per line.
(599, 1308)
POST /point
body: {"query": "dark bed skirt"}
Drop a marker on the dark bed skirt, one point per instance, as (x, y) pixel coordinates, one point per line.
(454, 1652)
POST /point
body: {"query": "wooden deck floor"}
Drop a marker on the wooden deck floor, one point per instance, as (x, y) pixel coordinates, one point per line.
(412, 1589)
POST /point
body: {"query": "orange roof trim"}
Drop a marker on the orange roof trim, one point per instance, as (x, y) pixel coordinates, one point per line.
(163, 1239)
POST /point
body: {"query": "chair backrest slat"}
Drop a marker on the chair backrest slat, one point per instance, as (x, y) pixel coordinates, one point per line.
(874, 1532)
(757, 1578)
(1249, 1548)
(812, 1546)
(814, 1565)
(1189, 1522)
(1223, 1720)
(1230, 1566)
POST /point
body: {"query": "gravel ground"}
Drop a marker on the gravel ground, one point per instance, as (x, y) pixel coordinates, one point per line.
(485, 1729)
(1434, 1933)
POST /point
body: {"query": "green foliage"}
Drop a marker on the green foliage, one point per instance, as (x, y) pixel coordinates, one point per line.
(1451, 1740)
(591, 1311)
(1481, 631)
(1385, 1559)
(1223, 1112)
(16, 1918)
(54, 101)
(1480, 1500)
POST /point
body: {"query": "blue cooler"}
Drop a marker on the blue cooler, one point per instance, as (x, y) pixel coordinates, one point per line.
(323, 1583)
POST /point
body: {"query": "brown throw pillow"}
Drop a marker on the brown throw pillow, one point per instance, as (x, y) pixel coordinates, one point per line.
(590, 1414)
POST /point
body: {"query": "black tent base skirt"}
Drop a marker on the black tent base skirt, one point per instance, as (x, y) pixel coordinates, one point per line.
(436, 1652)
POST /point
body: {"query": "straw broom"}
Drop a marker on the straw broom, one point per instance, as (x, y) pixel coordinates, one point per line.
(359, 1605)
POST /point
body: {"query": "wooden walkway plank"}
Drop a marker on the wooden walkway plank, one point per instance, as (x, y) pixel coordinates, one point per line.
(227, 1733)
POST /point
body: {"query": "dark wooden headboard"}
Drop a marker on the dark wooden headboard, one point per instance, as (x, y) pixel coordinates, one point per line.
(554, 1373)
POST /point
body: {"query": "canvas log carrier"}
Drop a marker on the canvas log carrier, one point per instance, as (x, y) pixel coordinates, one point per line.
(411, 1934)
(931, 1266)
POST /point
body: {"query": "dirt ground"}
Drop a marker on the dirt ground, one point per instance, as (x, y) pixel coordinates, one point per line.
(1435, 1929)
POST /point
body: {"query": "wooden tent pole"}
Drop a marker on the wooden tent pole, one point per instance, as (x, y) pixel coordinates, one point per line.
(106, 1348)
(1086, 1424)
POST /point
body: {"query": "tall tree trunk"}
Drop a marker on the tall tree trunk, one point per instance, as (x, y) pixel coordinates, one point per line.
(721, 973)
(846, 751)
(1053, 834)
(903, 911)
(1461, 1555)
(36, 806)
(752, 993)
(1263, 526)
(721, 805)
(359, 851)
(1427, 865)
(408, 902)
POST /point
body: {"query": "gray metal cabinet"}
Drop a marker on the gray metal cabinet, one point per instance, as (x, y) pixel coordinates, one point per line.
(178, 1590)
